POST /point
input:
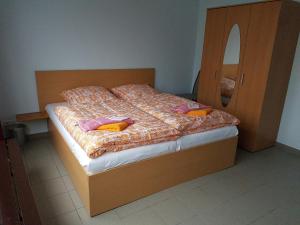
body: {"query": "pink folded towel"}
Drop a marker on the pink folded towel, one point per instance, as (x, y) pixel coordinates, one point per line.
(185, 108)
(93, 124)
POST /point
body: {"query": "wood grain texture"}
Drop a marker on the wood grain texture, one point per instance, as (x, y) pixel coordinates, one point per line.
(267, 61)
(149, 176)
(248, 4)
(230, 71)
(31, 116)
(51, 83)
(279, 74)
(211, 57)
(9, 208)
(256, 66)
(118, 186)
(235, 15)
(29, 212)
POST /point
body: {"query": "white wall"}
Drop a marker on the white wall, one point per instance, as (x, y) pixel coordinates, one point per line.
(289, 132)
(80, 34)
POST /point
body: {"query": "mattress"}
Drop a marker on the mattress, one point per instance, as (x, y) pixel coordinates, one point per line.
(110, 160)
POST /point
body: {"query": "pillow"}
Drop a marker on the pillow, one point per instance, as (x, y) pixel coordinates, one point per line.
(134, 91)
(87, 95)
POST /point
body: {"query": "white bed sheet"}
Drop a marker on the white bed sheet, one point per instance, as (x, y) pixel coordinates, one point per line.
(113, 159)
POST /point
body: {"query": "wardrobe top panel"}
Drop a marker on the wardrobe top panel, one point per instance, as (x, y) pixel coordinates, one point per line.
(252, 3)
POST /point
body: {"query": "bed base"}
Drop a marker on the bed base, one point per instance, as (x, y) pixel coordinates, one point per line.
(113, 188)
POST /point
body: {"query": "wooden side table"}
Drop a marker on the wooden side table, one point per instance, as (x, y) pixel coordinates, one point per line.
(25, 117)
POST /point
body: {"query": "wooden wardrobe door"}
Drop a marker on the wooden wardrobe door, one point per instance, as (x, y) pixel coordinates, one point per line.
(212, 50)
(240, 16)
(256, 64)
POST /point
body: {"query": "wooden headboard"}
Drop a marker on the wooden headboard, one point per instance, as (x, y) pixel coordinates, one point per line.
(51, 83)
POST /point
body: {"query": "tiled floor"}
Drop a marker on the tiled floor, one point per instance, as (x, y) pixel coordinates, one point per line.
(262, 189)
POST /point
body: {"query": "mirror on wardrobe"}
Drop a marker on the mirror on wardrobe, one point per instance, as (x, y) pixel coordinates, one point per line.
(229, 70)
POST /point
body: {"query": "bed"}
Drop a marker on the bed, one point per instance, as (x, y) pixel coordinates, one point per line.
(109, 186)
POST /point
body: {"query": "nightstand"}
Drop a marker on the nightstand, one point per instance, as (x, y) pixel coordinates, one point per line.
(25, 117)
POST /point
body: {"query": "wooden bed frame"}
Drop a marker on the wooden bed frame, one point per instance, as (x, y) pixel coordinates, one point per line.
(106, 190)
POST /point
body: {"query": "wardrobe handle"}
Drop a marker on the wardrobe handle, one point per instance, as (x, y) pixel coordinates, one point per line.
(216, 74)
(242, 78)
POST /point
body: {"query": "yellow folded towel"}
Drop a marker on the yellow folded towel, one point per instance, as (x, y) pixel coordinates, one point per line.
(113, 126)
(199, 112)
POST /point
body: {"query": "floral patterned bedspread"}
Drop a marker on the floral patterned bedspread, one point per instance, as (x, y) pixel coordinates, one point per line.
(146, 128)
(161, 106)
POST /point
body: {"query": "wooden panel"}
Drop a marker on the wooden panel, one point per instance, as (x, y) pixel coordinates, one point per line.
(26, 201)
(51, 83)
(279, 75)
(107, 190)
(212, 50)
(31, 116)
(248, 4)
(256, 65)
(239, 15)
(230, 71)
(9, 209)
(131, 182)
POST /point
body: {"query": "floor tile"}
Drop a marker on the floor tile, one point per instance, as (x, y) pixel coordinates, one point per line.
(195, 220)
(39, 161)
(144, 217)
(156, 198)
(70, 218)
(199, 201)
(45, 209)
(61, 204)
(68, 183)
(131, 208)
(40, 174)
(286, 215)
(34, 177)
(143, 203)
(61, 168)
(227, 187)
(76, 199)
(172, 211)
(245, 209)
(108, 218)
(49, 188)
(192, 184)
